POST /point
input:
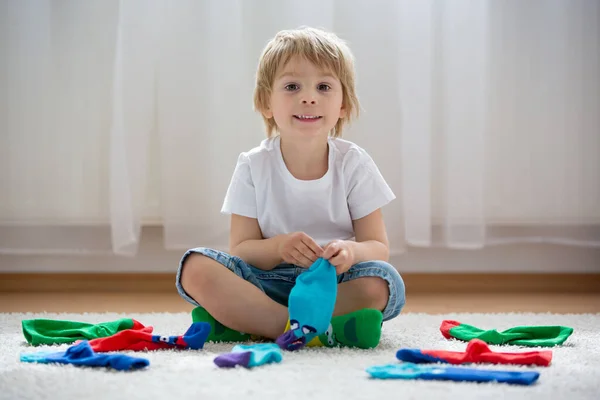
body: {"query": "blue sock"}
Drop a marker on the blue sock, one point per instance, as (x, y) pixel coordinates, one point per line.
(250, 356)
(310, 305)
(414, 371)
(82, 354)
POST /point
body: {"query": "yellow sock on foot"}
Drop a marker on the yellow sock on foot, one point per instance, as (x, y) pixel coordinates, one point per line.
(316, 342)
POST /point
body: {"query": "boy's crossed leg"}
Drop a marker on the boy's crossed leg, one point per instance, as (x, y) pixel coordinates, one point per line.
(238, 306)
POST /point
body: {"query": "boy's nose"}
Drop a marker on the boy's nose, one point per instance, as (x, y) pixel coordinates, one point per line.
(311, 101)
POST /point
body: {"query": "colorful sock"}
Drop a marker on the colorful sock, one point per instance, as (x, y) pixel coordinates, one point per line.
(533, 336)
(310, 305)
(82, 354)
(250, 356)
(47, 331)
(458, 374)
(144, 340)
(218, 331)
(361, 328)
(477, 352)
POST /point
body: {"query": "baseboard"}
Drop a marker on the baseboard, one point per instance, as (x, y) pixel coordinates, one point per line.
(415, 282)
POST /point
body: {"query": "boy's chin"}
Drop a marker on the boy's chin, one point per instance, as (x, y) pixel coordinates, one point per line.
(304, 137)
(306, 133)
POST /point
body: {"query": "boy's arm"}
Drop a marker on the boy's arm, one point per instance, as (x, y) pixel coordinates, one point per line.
(371, 238)
(246, 242)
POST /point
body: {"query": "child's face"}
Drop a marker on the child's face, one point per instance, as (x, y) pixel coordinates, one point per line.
(305, 100)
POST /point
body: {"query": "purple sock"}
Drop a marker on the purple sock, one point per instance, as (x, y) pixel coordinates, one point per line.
(250, 356)
(230, 360)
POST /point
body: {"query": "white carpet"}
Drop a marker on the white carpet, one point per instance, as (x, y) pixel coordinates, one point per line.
(308, 374)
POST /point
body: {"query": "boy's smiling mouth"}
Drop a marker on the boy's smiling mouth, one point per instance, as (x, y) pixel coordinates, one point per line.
(307, 118)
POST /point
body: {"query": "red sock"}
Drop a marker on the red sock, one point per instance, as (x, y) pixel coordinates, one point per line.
(142, 340)
(477, 352)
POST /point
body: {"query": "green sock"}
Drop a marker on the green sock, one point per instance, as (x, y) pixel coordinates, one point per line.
(48, 331)
(360, 329)
(218, 331)
(532, 336)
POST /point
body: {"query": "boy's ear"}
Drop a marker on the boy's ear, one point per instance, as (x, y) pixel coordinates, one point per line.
(343, 112)
(268, 113)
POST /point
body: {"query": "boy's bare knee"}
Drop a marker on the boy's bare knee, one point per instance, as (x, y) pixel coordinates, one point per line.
(376, 291)
(193, 272)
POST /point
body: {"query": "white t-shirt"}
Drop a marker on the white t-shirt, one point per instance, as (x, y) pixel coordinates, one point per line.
(263, 188)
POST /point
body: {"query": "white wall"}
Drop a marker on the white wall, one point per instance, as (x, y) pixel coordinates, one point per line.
(510, 258)
(129, 113)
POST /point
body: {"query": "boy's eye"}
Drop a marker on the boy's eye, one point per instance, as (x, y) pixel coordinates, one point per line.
(324, 87)
(291, 87)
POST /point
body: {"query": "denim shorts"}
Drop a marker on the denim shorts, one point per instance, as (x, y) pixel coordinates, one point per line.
(278, 282)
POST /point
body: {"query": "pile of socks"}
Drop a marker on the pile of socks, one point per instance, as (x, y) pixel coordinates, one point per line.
(113, 336)
(429, 364)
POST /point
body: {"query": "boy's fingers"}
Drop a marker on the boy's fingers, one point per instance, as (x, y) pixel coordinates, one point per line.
(311, 244)
(339, 258)
(330, 251)
(308, 253)
(300, 258)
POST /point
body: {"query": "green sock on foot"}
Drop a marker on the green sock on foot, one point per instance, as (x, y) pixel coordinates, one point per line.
(360, 329)
(218, 331)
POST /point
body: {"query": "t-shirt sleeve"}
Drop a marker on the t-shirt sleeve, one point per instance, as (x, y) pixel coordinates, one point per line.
(241, 196)
(367, 189)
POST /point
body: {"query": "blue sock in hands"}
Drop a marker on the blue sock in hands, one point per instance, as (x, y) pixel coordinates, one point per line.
(310, 305)
(249, 356)
(82, 354)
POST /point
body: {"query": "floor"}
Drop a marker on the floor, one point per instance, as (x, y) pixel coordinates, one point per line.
(314, 373)
(439, 303)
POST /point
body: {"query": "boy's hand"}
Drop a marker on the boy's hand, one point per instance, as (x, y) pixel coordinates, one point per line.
(300, 249)
(340, 254)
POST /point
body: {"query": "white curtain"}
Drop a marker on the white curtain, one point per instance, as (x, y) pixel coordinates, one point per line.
(484, 116)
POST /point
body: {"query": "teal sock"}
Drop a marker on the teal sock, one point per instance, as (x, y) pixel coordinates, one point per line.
(310, 305)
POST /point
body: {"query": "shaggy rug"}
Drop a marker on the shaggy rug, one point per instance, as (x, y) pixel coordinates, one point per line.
(315, 373)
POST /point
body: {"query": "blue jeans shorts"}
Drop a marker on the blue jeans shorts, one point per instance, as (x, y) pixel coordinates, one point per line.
(278, 282)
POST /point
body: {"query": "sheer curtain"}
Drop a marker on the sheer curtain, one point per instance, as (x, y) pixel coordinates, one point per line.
(484, 116)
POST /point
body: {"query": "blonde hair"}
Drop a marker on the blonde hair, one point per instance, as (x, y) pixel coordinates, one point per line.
(321, 48)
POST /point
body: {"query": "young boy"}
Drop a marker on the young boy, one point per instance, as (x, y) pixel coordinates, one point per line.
(304, 193)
